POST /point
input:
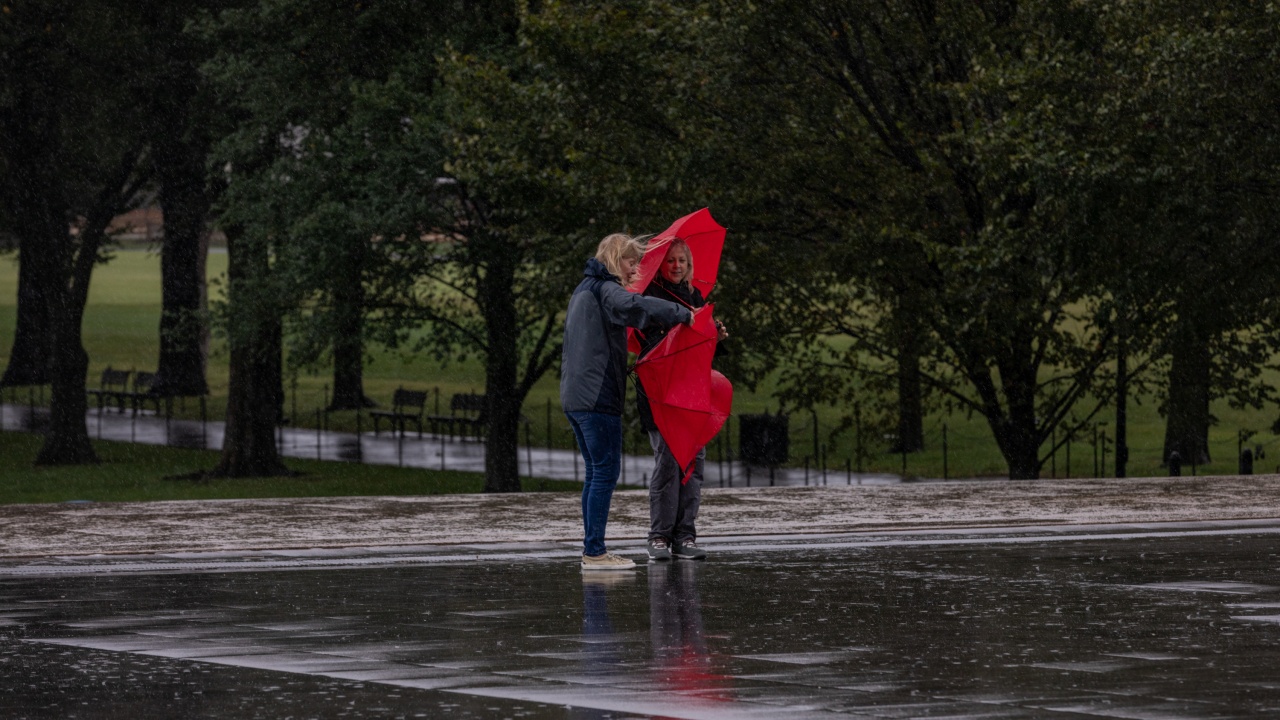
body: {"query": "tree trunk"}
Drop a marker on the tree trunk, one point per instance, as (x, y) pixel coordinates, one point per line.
(67, 440)
(910, 396)
(31, 356)
(348, 337)
(1186, 429)
(181, 367)
(502, 396)
(255, 391)
(1122, 405)
(907, 338)
(1016, 431)
(72, 261)
(1020, 446)
(33, 204)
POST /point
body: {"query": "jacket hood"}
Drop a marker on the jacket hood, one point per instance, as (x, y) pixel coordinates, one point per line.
(596, 269)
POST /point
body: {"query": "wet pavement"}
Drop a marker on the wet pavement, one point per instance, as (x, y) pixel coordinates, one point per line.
(1141, 598)
(422, 450)
(1172, 620)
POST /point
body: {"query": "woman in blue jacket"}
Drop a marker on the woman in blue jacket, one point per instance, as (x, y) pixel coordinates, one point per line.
(593, 374)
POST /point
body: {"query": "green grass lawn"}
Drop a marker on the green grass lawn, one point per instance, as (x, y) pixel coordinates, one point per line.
(121, 329)
(148, 472)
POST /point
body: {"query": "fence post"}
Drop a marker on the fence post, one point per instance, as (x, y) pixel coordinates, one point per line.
(857, 438)
(1053, 454)
(721, 454)
(945, 469)
(814, 412)
(1102, 467)
(1095, 452)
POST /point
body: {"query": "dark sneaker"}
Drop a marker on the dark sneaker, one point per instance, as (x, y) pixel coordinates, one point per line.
(688, 550)
(659, 549)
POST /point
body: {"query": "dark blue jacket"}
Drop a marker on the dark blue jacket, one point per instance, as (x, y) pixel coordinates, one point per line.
(593, 368)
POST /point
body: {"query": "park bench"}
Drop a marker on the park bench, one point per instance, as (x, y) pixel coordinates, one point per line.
(141, 395)
(113, 387)
(466, 415)
(406, 406)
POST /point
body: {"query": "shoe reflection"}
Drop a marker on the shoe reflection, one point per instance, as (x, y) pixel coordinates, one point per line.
(681, 659)
(602, 658)
(595, 601)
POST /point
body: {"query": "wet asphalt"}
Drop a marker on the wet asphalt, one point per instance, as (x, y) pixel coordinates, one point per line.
(1153, 621)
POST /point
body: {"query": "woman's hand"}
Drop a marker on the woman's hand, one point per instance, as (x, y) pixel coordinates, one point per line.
(721, 333)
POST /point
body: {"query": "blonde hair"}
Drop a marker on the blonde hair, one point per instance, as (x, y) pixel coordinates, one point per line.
(688, 255)
(617, 247)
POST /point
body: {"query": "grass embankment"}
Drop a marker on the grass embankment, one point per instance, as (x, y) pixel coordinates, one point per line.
(131, 472)
(121, 330)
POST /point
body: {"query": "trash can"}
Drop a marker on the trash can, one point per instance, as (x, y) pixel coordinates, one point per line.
(763, 439)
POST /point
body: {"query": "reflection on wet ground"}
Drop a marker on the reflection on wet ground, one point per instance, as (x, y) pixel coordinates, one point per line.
(1109, 625)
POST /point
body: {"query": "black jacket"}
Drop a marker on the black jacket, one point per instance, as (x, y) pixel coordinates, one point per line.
(652, 334)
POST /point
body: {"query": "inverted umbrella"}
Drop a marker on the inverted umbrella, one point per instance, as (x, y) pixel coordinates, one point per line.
(705, 238)
(689, 400)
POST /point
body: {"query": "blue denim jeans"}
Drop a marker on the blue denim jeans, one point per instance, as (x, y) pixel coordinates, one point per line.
(600, 441)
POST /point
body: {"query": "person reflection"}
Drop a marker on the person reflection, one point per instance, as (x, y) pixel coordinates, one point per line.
(681, 659)
(602, 646)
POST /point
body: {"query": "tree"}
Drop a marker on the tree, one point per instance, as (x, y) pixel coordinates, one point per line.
(180, 114)
(1211, 90)
(335, 152)
(1171, 167)
(941, 246)
(70, 173)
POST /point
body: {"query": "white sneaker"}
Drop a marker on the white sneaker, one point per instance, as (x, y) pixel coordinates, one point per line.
(607, 561)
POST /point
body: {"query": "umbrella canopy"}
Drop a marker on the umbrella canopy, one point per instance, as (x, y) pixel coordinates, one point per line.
(705, 238)
(689, 400)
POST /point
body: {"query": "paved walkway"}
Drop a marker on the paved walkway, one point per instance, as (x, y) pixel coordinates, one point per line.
(1175, 621)
(251, 525)
(437, 452)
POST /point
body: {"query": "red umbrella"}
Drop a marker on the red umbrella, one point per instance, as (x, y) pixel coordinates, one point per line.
(689, 400)
(705, 238)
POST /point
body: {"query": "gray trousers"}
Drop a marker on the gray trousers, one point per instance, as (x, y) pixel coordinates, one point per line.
(673, 507)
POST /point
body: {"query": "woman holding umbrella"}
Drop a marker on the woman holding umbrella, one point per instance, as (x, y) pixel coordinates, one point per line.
(673, 499)
(593, 376)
